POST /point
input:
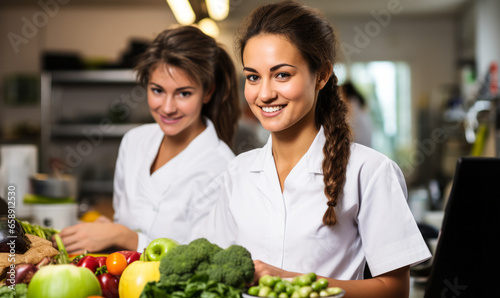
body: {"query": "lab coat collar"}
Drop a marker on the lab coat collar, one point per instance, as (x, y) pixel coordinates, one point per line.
(314, 155)
(189, 157)
(204, 141)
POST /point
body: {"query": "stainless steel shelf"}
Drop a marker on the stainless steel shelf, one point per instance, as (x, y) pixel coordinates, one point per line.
(125, 76)
(82, 130)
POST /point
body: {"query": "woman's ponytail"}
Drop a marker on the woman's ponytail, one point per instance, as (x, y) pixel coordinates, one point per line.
(331, 113)
(223, 108)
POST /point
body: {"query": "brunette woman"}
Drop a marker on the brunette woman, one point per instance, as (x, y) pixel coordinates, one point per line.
(311, 200)
(163, 168)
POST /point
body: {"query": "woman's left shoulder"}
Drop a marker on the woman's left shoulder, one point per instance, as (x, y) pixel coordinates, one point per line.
(363, 157)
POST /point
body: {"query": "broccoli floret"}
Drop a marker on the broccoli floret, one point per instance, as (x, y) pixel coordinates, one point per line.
(182, 261)
(232, 266)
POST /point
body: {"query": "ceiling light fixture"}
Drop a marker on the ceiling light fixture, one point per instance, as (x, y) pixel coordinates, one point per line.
(218, 9)
(183, 11)
(209, 27)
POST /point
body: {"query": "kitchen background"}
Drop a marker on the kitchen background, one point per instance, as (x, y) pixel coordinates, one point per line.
(426, 67)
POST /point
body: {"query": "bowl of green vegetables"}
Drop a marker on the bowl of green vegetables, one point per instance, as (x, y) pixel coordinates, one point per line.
(303, 286)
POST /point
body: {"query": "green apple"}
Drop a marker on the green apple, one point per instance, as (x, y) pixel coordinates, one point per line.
(159, 248)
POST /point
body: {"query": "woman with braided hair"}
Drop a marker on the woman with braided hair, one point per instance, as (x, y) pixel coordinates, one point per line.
(311, 200)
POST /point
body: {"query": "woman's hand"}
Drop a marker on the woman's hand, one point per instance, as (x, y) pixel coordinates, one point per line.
(262, 269)
(97, 236)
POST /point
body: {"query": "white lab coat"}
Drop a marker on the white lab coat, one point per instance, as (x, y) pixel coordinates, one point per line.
(172, 202)
(286, 229)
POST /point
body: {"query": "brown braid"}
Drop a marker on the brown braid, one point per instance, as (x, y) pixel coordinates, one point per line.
(314, 37)
(337, 145)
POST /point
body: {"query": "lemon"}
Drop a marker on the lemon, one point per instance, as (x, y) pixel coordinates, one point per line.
(90, 216)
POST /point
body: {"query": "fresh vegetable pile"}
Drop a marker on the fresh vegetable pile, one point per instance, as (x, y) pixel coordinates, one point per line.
(202, 269)
(63, 281)
(108, 269)
(303, 286)
(42, 232)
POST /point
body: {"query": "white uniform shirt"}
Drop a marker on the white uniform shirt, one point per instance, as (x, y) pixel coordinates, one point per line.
(286, 229)
(171, 202)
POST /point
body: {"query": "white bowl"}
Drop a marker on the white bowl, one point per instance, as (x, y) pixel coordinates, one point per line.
(245, 295)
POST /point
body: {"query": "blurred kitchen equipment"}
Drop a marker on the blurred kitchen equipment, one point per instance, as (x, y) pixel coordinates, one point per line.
(57, 216)
(57, 187)
(17, 164)
(54, 200)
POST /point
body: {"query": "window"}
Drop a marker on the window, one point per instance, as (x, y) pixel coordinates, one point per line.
(385, 86)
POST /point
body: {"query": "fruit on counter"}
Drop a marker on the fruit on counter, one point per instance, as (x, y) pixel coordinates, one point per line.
(109, 285)
(89, 262)
(130, 255)
(135, 277)
(116, 263)
(158, 248)
(90, 216)
(101, 261)
(303, 286)
(61, 281)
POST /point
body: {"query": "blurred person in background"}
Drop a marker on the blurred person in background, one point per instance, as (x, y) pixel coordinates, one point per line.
(163, 168)
(359, 115)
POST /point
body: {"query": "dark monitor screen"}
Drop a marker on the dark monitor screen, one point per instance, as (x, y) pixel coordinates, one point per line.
(467, 258)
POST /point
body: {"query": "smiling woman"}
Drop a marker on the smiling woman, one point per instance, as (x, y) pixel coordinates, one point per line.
(163, 169)
(311, 200)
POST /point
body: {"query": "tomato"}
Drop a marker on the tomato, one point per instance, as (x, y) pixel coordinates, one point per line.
(135, 277)
(62, 281)
(109, 285)
(130, 255)
(101, 261)
(88, 262)
(116, 263)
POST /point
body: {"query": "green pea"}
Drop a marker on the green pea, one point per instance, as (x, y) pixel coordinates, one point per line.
(280, 287)
(254, 291)
(304, 280)
(305, 291)
(264, 291)
(312, 276)
(323, 282)
(334, 291)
